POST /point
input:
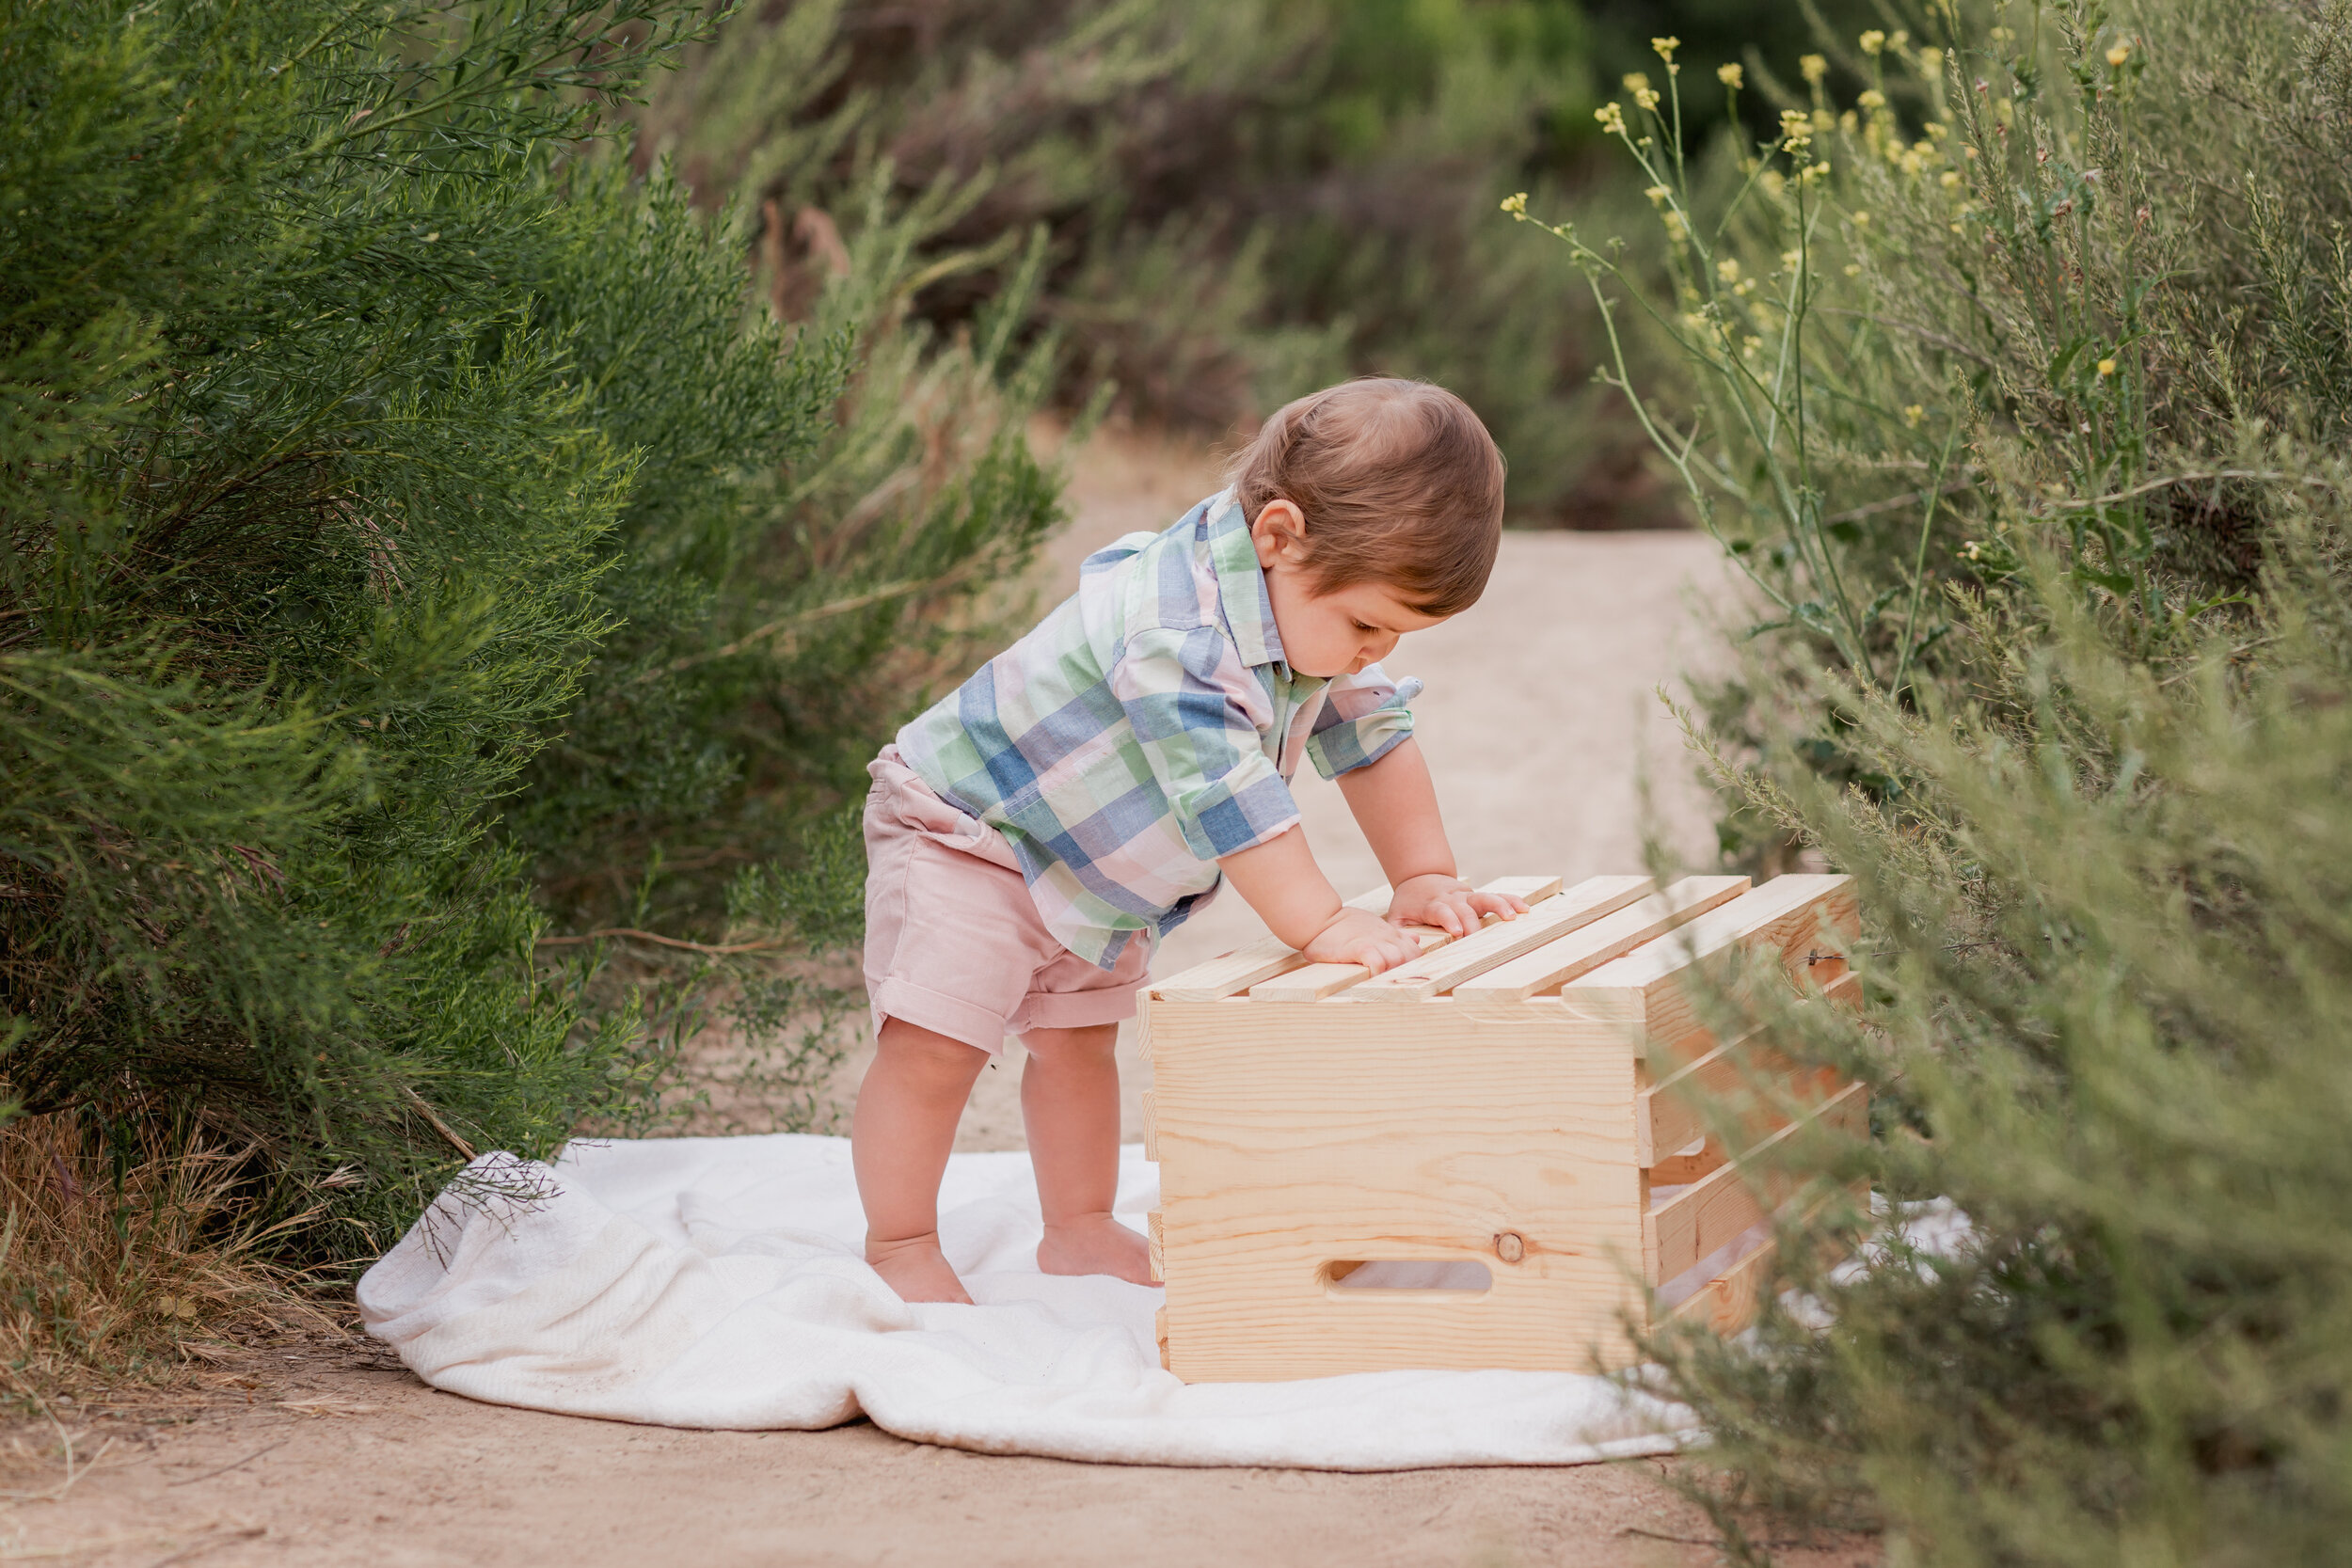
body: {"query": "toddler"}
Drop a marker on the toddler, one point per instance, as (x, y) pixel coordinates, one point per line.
(1029, 838)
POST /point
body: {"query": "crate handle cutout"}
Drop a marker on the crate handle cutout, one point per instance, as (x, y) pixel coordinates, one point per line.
(1441, 1276)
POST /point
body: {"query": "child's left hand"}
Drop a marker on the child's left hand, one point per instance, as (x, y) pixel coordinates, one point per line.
(1448, 903)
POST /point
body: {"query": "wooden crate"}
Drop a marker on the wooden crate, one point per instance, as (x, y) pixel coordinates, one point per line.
(1512, 1100)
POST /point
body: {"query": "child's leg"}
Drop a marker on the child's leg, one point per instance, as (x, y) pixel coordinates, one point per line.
(900, 1137)
(1070, 1100)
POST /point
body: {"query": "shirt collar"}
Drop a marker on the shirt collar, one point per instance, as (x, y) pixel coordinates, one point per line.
(1241, 584)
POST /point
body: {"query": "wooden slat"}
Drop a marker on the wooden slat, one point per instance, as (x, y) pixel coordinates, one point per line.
(1158, 1237)
(1796, 916)
(1727, 1304)
(1216, 978)
(1715, 1209)
(1316, 981)
(1670, 1114)
(1680, 1170)
(1503, 940)
(1583, 950)
(1748, 915)
(1151, 1127)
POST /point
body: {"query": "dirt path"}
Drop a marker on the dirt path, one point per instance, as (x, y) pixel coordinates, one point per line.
(1538, 718)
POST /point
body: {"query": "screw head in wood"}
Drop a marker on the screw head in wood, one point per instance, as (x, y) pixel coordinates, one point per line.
(1510, 1246)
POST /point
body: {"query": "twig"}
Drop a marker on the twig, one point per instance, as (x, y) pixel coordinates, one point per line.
(226, 1468)
(634, 934)
(439, 1126)
(187, 1552)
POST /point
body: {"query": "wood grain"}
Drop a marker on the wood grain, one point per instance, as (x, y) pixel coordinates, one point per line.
(1292, 1138)
(1503, 940)
(1315, 982)
(1503, 989)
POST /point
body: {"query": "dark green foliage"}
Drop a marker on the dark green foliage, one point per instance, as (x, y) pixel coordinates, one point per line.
(2045, 471)
(363, 430)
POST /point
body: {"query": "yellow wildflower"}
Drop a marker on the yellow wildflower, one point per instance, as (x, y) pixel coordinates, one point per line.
(2118, 54)
(1796, 126)
(1731, 76)
(1949, 178)
(1612, 118)
(1813, 67)
(1745, 287)
(1667, 47)
(1791, 259)
(1913, 415)
(1861, 217)
(1728, 269)
(1854, 269)
(1825, 120)
(1773, 183)
(1674, 230)
(1658, 195)
(1872, 99)
(1931, 62)
(1816, 173)
(2106, 367)
(1872, 42)
(1693, 321)
(1846, 122)
(1749, 346)
(1647, 97)
(1635, 82)
(1516, 205)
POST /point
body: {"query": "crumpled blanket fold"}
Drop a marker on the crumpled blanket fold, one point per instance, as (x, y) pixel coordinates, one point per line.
(719, 1283)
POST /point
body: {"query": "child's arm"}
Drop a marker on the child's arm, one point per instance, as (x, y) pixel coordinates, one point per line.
(1281, 881)
(1396, 805)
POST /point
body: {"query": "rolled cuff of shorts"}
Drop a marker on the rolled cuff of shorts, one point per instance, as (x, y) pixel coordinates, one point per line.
(945, 1015)
(1075, 1009)
(1238, 812)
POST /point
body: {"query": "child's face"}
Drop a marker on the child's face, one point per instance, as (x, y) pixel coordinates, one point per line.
(1325, 633)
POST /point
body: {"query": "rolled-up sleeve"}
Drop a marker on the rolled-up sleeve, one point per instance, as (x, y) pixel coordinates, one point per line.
(1193, 723)
(1364, 717)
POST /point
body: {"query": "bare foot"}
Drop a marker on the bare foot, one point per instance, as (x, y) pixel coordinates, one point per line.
(917, 1269)
(1096, 1244)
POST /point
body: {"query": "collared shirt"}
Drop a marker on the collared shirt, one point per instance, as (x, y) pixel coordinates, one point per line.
(1147, 727)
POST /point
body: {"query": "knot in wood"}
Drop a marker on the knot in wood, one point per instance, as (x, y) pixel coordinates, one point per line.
(1510, 1246)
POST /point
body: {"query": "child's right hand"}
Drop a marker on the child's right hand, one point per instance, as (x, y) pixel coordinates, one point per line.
(1360, 937)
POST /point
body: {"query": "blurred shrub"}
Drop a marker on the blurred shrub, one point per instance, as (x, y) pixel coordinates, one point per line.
(2026, 382)
(1242, 201)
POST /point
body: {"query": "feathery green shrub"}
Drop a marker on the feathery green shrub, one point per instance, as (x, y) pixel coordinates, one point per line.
(2028, 379)
(403, 510)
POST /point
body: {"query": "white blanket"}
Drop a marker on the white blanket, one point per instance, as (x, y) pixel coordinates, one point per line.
(718, 1282)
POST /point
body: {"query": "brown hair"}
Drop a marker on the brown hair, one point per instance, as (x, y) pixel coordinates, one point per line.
(1399, 482)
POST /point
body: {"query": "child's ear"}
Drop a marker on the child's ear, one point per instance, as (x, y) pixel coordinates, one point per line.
(1280, 534)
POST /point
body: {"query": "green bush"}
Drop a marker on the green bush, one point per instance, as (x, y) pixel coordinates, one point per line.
(2027, 383)
(406, 523)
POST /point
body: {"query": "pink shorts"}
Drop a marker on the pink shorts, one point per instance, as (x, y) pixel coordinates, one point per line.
(953, 941)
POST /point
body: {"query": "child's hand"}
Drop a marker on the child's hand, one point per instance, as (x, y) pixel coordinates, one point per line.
(1360, 937)
(1448, 903)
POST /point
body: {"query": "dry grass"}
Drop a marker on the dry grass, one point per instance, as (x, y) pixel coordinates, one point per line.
(126, 1258)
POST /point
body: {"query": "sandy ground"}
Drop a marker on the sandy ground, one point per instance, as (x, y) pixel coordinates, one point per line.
(1540, 723)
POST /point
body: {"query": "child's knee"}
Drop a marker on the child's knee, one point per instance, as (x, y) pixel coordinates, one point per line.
(1097, 1042)
(912, 1048)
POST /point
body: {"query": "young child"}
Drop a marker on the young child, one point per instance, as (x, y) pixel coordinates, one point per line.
(1029, 838)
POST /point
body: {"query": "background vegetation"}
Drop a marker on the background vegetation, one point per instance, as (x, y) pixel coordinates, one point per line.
(471, 502)
(2024, 382)
(411, 548)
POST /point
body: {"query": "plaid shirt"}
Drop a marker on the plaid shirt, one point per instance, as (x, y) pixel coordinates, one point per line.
(1147, 726)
